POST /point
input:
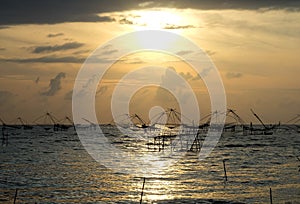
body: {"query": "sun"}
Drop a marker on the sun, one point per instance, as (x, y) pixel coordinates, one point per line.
(157, 19)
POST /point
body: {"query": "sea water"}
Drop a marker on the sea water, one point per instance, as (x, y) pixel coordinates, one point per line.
(49, 166)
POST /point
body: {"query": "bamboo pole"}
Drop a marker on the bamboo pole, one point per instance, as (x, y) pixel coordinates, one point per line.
(225, 172)
(16, 194)
(141, 200)
(271, 197)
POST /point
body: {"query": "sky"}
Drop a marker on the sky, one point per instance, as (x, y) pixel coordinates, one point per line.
(255, 46)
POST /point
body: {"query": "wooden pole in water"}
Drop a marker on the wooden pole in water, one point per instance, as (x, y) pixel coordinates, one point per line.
(225, 173)
(4, 136)
(141, 200)
(15, 198)
(271, 197)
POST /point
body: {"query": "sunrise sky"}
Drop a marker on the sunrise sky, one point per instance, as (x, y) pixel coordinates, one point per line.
(254, 44)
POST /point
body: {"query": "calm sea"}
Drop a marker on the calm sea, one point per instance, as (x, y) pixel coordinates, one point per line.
(53, 167)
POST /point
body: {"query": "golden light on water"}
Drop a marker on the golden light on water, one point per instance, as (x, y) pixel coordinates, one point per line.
(159, 190)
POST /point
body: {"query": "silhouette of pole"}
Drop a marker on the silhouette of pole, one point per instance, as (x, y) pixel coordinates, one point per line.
(16, 194)
(271, 198)
(141, 200)
(225, 173)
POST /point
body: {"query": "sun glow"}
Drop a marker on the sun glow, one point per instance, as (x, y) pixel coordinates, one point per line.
(157, 19)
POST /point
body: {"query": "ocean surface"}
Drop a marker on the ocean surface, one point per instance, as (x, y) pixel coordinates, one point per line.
(49, 166)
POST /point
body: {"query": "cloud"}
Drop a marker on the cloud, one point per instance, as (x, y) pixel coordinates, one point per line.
(52, 35)
(37, 12)
(146, 4)
(55, 84)
(109, 46)
(210, 52)
(184, 52)
(187, 52)
(46, 59)
(55, 11)
(88, 83)
(54, 48)
(126, 21)
(205, 71)
(102, 90)
(4, 27)
(178, 26)
(2, 48)
(189, 76)
(176, 84)
(170, 78)
(108, 52)
(69, 59)
(232, 75)
(135, 60)
(231, 4)
(186, 76)
(81, 52)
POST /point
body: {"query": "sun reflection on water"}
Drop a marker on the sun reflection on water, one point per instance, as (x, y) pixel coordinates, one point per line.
(158, 189)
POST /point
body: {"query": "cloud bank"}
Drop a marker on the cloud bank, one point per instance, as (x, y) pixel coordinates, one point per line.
(14, 12)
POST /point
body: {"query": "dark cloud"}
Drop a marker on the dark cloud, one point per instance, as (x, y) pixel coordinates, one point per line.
(130, 60)
(14, 12)
(81, 52)
(55, 84)
(53, 35)
(2, 48)
(126, 21)
(184, 52)
(228, 4)
(170, 27)
(232, 75)
(4, 27)
(46, 59)
(54, 48)
(108, 52)
(66, 59)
